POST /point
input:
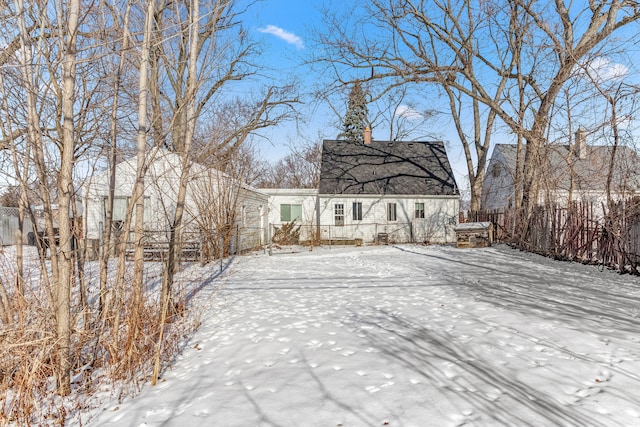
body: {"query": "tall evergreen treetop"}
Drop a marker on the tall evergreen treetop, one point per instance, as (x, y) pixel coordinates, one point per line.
(355, 119)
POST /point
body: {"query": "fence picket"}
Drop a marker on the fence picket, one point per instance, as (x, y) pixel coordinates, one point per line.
(576, 233)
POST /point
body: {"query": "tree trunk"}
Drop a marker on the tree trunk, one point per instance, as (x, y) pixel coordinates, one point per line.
(65, 197)
(108, 228)
(138, 198)
(187, 123)
(185, 148)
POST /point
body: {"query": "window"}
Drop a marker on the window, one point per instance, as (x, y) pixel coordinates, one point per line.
(391, 212)
(119, 213)
(290, 213)
(119, 207)
(339, 213)
(419, 210)
(357, 211)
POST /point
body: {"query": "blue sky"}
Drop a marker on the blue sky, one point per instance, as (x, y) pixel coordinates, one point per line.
(285, 29)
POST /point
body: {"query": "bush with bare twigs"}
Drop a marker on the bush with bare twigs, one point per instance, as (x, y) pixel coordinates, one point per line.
(116, 349)
(288, 234)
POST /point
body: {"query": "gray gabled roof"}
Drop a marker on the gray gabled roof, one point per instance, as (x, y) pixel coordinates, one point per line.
(589, 172)
(386, 167)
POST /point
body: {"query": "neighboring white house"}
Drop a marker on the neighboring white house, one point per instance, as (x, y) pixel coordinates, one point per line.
(391, 191)
(211, 196)
(577, 173)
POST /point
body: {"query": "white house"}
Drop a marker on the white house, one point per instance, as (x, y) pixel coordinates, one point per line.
(382, 190)
(299, 205)
(213, 200)
(576, 173)
(400, 191)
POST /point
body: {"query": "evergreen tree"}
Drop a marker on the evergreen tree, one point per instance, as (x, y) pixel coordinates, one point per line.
(355, 119)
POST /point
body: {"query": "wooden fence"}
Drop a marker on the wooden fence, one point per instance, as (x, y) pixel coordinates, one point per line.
(8, 225)
(606, 235)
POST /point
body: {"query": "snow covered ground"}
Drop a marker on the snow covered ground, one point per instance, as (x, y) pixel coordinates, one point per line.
(403, 336)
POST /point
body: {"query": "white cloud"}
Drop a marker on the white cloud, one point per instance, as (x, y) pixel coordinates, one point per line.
(284, 35)
(603, 69)
(408, 113)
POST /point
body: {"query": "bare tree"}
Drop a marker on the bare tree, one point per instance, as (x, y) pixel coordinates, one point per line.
(404, 118)
(141, 167)
(486, 52)
(183, 149)
(218, 195)
(199, 49)
(615, 93)
(236, 121)
(60, 302)
(65, 196)
(59, 58)
(299, 169)
(112, 156)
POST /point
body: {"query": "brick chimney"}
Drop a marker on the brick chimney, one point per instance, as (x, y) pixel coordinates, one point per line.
(580, 144)
(367, 135)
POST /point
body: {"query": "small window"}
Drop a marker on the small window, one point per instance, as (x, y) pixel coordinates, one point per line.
(285, 213)
(339, 214)
(120, 206)
(357, 211)
(290, 212)
(419, 210)
(391, 212)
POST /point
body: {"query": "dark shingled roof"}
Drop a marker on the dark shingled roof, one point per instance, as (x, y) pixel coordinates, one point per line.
(386, 167)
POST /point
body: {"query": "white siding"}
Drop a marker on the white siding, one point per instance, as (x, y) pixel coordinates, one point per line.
(251, 221)
(161, 187)
(307, 198)
(498, 189)
(161, 184)
(9, 226)
(258, 209)
(441, 215)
